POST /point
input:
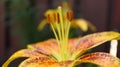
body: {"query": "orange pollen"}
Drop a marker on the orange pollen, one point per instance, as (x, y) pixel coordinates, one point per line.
(55, 18)
(58, 18)
(48, 18)
(70, 15)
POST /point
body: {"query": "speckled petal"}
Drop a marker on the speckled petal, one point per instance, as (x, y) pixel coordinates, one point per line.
(48, 47)
(44, 62)
(101, 59)
(81, 45)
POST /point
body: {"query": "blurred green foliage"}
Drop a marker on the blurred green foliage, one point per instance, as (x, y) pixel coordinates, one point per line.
(23, 17)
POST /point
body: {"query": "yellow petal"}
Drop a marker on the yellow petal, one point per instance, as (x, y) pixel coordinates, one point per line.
(42, 24)
(82, 24)
(101, 59)
(44, 62)
(91, 26)
(22, 53)
(85, 43)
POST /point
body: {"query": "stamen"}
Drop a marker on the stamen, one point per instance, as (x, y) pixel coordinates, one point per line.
(70, 15)
(59, 21)
(48, 18)
(55, 18)
(58, 18)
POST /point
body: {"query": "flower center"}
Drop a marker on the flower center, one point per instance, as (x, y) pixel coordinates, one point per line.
(60, 23)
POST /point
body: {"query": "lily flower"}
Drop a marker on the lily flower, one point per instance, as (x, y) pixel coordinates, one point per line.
(64, 52)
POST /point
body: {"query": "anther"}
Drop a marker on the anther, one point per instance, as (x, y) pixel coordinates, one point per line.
(55, 17)
(48, 18)
(58, 18)
(70, 15)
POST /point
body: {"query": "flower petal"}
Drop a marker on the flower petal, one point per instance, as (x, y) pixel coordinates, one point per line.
(49, 47)
(81, 45)
(22, 53)
(44, 62)
(42, 24)
(101, 59)
(91, 26)
(83, 24)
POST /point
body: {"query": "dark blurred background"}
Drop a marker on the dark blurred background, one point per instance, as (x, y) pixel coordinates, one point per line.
(19, 20)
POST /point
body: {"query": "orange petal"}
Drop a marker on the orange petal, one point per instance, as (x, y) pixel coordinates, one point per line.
(71, 44)
(49, 47)
(44, 62)
(81, 45)
(22, 53)
(101, 59)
